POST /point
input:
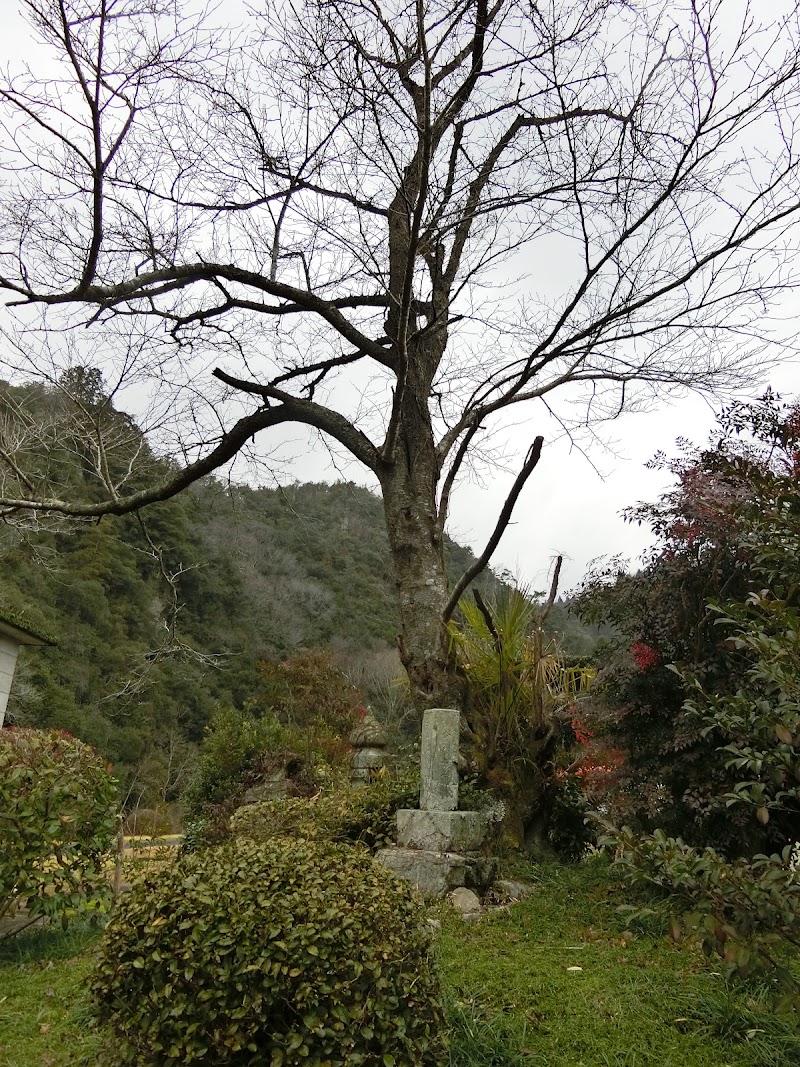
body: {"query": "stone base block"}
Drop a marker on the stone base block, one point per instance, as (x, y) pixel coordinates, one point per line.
(440, 831)
(433, 873)
(437, 873)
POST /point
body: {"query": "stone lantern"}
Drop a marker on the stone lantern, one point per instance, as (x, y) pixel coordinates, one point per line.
(14, 633)
(369, 742)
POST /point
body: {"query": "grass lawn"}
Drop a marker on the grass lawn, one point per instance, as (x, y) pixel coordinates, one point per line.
(560, 982)
(43, 1017)
(556, 982)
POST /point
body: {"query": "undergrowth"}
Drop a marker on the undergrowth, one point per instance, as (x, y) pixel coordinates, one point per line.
(558, 981)
(44, 1018)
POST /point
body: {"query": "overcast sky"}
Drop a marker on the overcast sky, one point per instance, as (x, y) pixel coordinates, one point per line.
(572, 503)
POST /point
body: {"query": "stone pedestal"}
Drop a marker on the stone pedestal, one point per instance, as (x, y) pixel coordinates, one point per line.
(433, 873)
(438, 845)
(437, 873)
(440, 831)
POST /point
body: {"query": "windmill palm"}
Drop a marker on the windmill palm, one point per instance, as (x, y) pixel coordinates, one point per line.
(519, 690)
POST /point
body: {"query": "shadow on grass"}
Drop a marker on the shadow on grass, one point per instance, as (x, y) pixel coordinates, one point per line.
(50, 942)
(743, 1016)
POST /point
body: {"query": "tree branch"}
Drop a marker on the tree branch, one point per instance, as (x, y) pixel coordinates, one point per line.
(309, 413)
(548, 607)
(472, 572)
(232, 442)
(168, 279)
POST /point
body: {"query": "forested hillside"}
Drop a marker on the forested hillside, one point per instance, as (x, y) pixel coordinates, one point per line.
(160, 618)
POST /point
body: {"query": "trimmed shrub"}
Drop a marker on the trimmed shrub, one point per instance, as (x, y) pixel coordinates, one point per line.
(365, 816)
(58, 821)
(283, 954)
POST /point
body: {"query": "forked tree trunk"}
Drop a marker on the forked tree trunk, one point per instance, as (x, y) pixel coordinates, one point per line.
(410, 475)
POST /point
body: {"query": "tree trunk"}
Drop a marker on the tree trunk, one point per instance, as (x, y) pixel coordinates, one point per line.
(419, 575)
(416, 544)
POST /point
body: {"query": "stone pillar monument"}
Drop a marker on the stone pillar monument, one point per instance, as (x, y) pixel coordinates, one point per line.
(438, 760)
(436, 842)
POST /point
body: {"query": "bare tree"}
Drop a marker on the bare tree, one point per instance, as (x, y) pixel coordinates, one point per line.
(446, 208)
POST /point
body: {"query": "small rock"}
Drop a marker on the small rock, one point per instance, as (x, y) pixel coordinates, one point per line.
(465, 901)
(471, 916)
(505, 890)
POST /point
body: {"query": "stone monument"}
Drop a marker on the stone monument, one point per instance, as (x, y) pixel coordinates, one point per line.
(437, 845)
(369, 741)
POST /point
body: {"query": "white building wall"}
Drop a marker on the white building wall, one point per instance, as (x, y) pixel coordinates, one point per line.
(8, 661)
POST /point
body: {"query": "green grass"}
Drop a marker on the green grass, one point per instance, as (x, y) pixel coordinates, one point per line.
(637, 1001)
(43, 1017)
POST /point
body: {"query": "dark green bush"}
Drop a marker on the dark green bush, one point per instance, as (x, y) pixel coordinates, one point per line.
(58, 804)
(283, 954)
(745, 911)
(569, 830)
(746, 903)
(233, 742)
(366, 815)
(235, 746)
